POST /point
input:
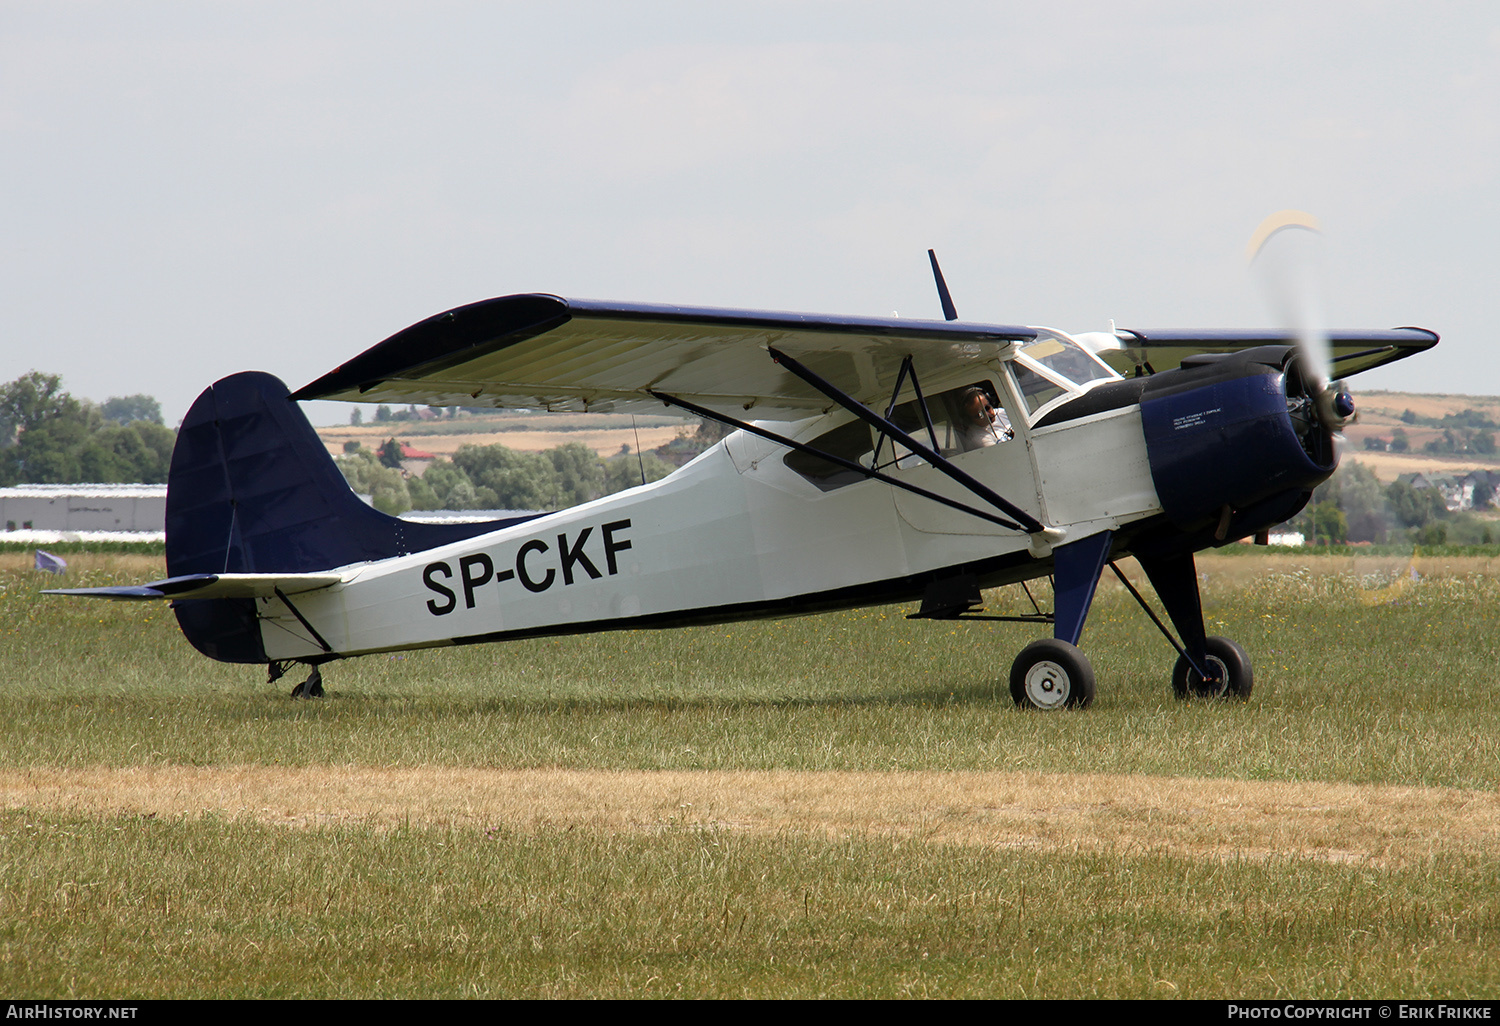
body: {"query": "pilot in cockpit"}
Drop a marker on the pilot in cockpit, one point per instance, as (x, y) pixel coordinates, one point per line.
(984, 422)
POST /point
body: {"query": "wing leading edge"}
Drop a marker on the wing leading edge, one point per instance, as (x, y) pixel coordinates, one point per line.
(544, 352)
(1353, 351)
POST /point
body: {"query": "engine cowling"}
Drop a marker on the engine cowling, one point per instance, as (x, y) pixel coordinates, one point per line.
(1237, 430)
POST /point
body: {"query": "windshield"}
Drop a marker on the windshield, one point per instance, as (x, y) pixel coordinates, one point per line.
(1054, 365)
(1066, 358)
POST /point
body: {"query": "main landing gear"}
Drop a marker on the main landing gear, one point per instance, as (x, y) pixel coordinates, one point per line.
(1229, 666)
(1053, 674)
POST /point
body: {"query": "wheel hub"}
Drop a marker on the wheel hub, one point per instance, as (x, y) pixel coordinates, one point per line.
(1047, 685)
(1210, 687)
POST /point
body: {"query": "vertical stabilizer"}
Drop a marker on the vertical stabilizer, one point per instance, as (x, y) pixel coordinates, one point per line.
(252, 489)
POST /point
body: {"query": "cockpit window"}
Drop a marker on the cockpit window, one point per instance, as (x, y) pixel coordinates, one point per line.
(1067, 359)
(1054, 365)
(1035, 389)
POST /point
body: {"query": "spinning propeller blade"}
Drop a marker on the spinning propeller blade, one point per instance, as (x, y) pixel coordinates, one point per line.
(1286, 255)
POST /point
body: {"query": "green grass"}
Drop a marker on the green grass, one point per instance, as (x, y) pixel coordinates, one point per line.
(68, 548)
(1352, 684)
(147, 909)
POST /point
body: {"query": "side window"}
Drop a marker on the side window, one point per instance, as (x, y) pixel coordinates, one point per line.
(963, 419)
(851, 442)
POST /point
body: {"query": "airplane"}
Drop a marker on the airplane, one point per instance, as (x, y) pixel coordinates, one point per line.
(872, 461)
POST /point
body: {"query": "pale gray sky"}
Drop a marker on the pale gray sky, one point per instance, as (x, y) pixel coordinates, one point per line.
(192, 189)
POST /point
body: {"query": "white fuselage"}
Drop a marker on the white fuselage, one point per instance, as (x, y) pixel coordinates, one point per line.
(735, 534)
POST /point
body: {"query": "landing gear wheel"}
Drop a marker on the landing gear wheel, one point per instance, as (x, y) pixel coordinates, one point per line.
(1051, 674)
(1231, 666)
(312, 687)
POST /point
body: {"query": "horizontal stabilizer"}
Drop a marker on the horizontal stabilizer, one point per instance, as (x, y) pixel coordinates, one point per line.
(209, 586)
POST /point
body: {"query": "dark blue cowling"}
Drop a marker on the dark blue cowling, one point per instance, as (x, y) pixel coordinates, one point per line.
(1219, 433)
(253, 490)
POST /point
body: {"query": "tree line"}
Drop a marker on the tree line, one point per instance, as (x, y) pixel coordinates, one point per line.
(48, 436)
(497, 477)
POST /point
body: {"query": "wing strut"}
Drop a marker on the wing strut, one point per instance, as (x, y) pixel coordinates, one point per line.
(916, 386)
(1029, 523)
(672, 400)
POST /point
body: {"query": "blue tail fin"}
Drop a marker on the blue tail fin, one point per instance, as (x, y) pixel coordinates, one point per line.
(253, 490)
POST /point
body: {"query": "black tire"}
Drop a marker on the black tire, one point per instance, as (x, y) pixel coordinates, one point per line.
(1051, 674)
(1224, 655)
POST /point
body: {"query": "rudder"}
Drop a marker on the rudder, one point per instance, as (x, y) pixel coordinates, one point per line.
(253, 490)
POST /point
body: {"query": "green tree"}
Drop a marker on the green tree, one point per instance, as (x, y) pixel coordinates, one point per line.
(124, 409)
(386, 487)
(29, 400)
(506, 479)
(624, 470)
(450, 486)
(1330, 527)
(1414, 507)
(579, 474)
(389, 454)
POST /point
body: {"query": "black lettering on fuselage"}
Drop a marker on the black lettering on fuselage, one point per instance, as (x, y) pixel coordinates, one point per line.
(534, 545)
(449, 599)
(611, 546)
(575, 555)
(472, 581)
(478, 569)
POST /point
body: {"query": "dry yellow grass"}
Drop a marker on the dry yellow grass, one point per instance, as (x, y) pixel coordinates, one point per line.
(1386, 826)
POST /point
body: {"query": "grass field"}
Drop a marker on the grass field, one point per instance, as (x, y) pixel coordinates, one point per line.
(845, 805)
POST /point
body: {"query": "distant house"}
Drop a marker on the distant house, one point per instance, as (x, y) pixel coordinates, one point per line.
(84, 508)
(1459, 493)
(414, 462)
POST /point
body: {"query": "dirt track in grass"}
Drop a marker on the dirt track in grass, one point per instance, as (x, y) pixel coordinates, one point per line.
(1213, 818)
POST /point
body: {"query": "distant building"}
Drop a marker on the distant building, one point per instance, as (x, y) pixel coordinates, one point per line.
(84, 509)
(1477, 488)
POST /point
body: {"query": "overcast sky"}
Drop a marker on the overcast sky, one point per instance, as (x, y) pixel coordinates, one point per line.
(193, 189)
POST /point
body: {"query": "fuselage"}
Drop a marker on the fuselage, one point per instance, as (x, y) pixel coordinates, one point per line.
(740, 532)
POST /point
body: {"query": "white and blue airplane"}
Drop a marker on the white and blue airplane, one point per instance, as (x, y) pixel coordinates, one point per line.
(873, 461)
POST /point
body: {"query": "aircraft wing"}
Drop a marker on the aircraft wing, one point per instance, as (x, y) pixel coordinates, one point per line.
(1353, 351)
(544, 352)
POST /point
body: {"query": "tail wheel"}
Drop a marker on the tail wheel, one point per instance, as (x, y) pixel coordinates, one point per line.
(1230, 666)
(1051, 674)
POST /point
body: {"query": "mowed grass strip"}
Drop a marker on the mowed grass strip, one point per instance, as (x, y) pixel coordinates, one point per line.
(1223, 819)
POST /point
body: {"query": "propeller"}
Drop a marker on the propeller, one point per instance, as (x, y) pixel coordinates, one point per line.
(1286, 255)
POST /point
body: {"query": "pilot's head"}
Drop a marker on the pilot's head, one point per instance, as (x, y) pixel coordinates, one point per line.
(977, 407)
